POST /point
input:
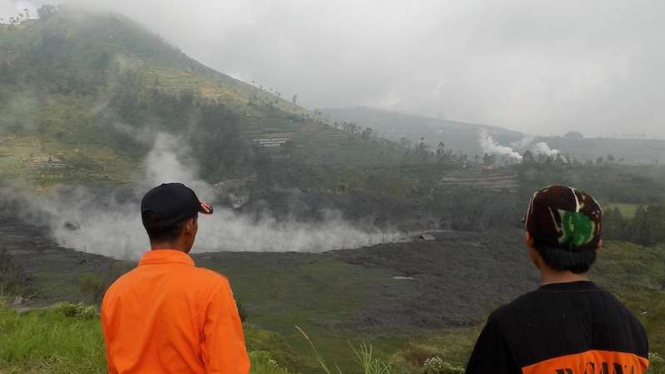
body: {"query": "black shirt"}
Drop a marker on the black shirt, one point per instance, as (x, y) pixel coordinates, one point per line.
(563, 328)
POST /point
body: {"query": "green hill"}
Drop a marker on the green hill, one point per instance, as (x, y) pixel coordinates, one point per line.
(82, 93)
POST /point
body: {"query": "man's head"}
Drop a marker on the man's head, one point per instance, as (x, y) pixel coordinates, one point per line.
(170, 216)
(563, 229)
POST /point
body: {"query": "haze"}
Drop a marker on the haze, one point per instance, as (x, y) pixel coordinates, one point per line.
(540, 67)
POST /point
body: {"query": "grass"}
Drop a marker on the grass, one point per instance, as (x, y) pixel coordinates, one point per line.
(48, 341)
(67, 338)
(627, 210)
(313, 293)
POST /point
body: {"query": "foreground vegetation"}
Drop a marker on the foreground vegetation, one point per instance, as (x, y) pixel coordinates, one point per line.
(67, 338)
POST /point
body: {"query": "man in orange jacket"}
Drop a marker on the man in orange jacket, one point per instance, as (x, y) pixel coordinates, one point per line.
(168, 316)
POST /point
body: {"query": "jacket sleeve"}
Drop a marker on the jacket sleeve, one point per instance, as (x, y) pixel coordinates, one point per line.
(492, 355)
(223, 338)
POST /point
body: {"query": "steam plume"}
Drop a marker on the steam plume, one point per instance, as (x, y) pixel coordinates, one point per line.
(490, 146)
(109, 224)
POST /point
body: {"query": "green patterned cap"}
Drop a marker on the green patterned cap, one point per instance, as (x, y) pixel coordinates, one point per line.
(562, 217)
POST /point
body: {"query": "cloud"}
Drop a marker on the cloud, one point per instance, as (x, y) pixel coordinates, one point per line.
(536, 66)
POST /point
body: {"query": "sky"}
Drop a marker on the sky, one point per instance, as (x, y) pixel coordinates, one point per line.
(536, 66)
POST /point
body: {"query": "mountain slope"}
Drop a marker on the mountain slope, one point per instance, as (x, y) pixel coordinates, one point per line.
(82, 95)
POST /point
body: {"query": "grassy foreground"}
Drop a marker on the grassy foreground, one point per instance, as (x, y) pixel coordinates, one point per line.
(67, 338)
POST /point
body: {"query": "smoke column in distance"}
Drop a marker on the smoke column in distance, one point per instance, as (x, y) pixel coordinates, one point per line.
(490, 146)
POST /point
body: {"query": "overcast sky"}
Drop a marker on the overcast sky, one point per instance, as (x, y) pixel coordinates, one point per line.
(538, 66)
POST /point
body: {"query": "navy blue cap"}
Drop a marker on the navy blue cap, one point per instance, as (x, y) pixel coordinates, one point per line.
(169, 204)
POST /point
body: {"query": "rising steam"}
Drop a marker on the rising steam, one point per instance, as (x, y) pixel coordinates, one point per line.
(527, 143)
(490, 146)
(110, 224)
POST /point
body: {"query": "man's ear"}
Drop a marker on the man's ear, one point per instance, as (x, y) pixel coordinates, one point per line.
(533, 254)
(190, 226)
(528, 240)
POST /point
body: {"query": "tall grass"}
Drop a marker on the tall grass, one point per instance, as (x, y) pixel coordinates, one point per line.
(49, 341)
(369, 364)
(67, 338)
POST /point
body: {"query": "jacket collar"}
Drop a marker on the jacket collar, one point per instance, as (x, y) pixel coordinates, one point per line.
(165, 256)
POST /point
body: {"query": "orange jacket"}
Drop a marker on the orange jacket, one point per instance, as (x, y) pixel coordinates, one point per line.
(168, 316)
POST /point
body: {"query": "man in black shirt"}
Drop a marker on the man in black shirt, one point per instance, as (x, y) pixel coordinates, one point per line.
(568, 325)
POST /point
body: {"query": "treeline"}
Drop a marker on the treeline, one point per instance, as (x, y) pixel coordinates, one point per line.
(647, 227)
(606, 181)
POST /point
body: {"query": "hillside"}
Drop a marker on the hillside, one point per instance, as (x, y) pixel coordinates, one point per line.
(625, 151)
(464, 137)
(82, 95)
(459, 136)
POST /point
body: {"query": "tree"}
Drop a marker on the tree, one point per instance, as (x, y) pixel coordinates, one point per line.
(574, 135)
(614, 225)
(46, 11)
(367, 133)
(528, 158)
(489, 159)
(610, 158)
(640, 230)
(295, 99)
(441, 149)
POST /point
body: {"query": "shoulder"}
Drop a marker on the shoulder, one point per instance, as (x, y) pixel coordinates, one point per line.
(209, 281)
(625, 314)
(211, 276)
(517, 307)
(126, 279)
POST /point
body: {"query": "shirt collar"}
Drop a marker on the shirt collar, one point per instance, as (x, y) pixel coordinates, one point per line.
(165, 256)
(569, 286)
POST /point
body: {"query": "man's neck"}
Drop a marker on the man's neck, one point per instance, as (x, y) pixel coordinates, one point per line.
(171, 246)
(549, 276)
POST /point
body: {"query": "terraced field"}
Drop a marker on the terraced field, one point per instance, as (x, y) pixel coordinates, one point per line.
(500, 179)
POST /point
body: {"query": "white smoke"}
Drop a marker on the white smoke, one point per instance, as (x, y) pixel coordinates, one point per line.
(111, 225)
(529, 143)
(490, 146)
(543, 148)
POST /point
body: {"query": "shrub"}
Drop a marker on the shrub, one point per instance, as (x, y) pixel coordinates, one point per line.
(435, 365)
(263, 363)
(656, 364)
(80, 311)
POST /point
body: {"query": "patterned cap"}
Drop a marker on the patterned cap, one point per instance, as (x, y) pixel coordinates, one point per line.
(562, 217)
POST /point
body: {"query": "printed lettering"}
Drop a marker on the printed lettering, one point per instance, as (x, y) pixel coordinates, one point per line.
(591, 365)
